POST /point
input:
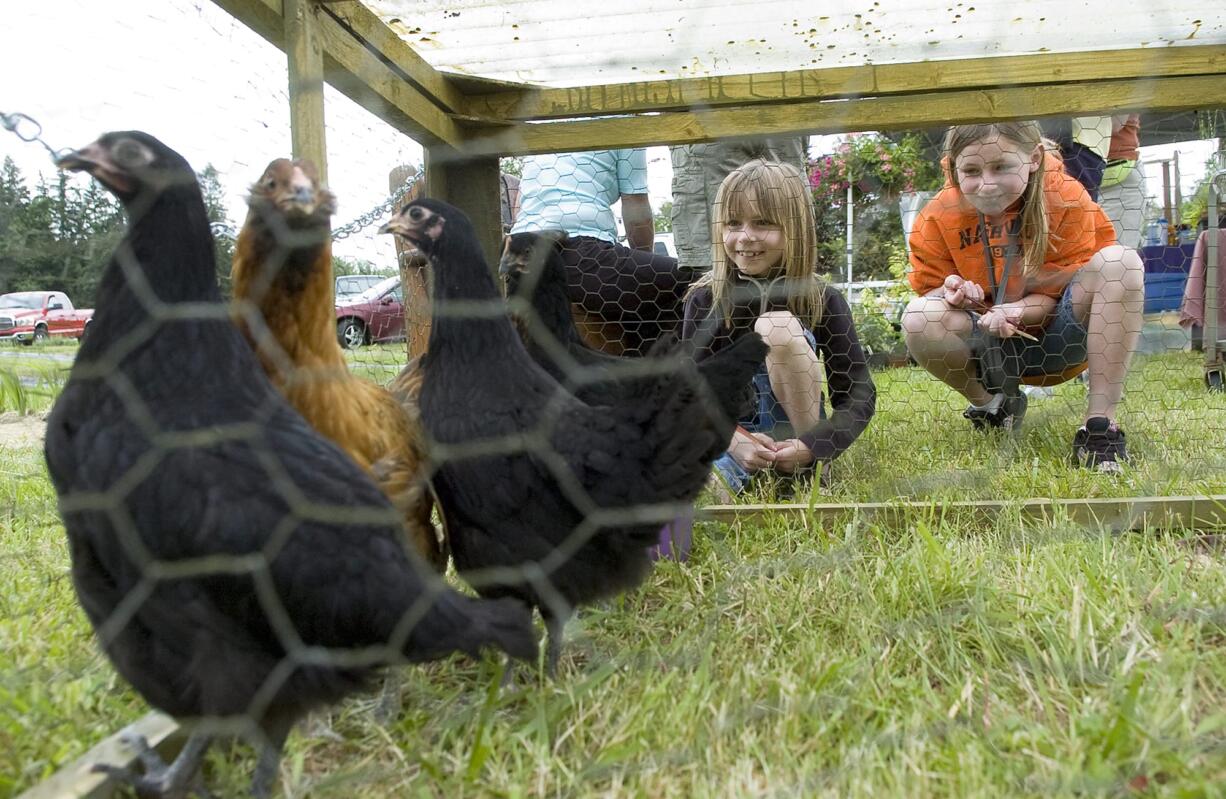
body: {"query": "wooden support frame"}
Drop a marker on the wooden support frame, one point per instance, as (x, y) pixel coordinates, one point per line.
(369, 62)
(469, 183)
(847, 83)
(370, 79)
(893, 112)
(306, 84)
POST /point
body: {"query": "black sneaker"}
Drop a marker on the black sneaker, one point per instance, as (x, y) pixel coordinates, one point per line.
(1002, 413)
(1100, 445)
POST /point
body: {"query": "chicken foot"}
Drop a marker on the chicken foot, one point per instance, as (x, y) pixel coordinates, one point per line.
(159, 780)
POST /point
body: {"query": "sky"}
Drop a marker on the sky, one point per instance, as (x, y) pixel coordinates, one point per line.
(192, 75)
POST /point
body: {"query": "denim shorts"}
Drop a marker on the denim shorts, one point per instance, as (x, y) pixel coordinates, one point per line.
(1061, 346)
(769, 417)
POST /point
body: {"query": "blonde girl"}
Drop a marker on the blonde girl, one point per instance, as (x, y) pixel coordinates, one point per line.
(763, 279)
(1009, 216)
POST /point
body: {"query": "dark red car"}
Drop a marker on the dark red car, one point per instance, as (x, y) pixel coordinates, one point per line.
(375, 315)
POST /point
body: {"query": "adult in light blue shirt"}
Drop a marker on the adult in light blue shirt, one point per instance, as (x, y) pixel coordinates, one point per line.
(576, 192)
(631, 287)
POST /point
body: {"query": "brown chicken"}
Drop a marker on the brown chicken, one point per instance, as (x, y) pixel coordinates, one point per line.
(283, 293)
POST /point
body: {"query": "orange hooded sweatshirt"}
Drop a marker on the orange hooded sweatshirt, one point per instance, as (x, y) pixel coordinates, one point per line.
(945, 238)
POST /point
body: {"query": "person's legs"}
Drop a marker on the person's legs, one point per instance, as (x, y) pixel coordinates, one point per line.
(1108, 298)
(936, 336)
(1124, 204)
(793, 367)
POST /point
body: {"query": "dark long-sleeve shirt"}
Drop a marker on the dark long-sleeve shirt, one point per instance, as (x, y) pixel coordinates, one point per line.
(849, 384)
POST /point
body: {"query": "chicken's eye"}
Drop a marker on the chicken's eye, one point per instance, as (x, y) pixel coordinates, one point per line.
(270, 184)
(128, 153)
(417, 214)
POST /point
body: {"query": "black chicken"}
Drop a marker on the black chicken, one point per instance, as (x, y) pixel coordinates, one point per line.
(547, 498)
(535, 278)
(234, 563)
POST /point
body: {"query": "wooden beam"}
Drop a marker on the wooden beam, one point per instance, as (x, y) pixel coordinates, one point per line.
(470, 184)
(356, 72)
(847, 82)
(306, 84)
(387, 44)
(1118, 514)
(78, 780)
(376, 86)
(899, 112)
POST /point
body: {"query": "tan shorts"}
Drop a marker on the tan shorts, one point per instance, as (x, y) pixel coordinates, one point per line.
(698, 169)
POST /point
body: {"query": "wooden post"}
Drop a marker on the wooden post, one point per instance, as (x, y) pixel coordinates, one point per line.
(1166, 201)
(306, 83)
(414, 274)
(470, 184)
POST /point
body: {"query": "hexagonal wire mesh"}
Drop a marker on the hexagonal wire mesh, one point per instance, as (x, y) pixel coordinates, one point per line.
(182, 473)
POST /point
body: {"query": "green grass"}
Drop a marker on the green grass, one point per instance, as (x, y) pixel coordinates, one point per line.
(784, 659)
(31, 377)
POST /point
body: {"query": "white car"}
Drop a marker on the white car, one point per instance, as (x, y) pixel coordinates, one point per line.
(353, 285)
(664, 245)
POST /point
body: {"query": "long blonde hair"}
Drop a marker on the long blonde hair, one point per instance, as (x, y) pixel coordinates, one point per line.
(1028, 135)
(778, 192)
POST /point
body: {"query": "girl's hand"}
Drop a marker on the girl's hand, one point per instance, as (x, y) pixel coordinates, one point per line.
(962, 293)
(791, 455)
(1003, 320)
(753, 451)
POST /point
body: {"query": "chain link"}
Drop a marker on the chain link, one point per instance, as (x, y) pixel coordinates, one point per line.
(26, 128)
(376, 213)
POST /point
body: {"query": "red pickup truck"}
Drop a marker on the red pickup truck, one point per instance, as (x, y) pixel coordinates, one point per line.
(29, 316)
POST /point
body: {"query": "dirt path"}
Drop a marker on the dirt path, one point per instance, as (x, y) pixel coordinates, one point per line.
(18, 431)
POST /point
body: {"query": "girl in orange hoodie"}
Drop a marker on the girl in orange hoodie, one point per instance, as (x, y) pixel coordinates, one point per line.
(1012, 245)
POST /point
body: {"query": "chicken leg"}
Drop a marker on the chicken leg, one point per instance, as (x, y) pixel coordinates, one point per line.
(159, 780)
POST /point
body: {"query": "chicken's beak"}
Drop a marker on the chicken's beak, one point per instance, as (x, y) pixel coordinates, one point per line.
(395, 227)
(302, 196)
(96, 160)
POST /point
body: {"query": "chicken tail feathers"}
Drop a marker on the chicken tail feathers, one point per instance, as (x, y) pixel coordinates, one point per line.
(728, 372)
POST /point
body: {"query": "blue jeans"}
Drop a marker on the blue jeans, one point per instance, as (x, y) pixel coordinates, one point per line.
(768, 417)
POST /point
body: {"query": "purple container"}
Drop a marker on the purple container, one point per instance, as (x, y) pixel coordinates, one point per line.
(675, 539)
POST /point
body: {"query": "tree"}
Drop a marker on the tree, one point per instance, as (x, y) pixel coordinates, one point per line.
(14, 197)
(224, 235)
(664, 217)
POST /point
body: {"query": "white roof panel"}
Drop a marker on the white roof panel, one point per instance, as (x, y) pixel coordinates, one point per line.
(562, 43)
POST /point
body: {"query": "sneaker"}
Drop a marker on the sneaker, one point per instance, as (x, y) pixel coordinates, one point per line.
(1002, 413)
(1100, 445)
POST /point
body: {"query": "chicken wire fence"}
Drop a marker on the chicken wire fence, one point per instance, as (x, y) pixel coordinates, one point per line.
(870, 391)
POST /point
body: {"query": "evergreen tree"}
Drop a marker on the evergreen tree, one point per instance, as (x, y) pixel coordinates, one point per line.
(223, 230)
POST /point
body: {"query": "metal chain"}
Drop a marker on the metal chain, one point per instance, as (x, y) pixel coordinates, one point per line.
(376, 213)
(26, 128)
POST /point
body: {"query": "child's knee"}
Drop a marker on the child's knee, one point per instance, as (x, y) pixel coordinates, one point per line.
(928, 315)
(1117, 266)
(779, 328)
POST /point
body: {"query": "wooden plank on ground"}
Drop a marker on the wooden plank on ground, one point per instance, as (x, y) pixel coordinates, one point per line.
(78, 780)
(900, 112)
(1127, 513)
